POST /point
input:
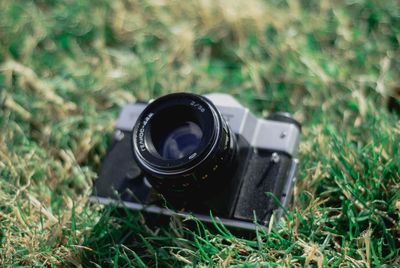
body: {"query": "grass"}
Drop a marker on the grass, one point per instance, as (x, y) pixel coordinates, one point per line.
(67, 67)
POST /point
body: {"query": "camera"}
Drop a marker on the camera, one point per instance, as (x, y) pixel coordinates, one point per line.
(208, 156)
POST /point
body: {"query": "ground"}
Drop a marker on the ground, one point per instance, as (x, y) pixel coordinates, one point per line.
(67, 67)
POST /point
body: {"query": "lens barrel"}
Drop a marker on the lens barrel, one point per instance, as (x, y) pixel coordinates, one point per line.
(182, 144)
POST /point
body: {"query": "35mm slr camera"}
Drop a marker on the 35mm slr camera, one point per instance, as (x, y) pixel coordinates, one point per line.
(206, 155)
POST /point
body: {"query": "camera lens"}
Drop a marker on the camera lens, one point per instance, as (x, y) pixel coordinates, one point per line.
(182, 143)
(179, 141)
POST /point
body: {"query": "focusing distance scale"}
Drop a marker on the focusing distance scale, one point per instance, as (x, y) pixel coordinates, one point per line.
(182, 143)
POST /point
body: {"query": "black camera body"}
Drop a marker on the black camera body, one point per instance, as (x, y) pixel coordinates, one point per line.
(207, 156)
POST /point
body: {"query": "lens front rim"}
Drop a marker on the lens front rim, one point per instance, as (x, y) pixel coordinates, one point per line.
(145, 152)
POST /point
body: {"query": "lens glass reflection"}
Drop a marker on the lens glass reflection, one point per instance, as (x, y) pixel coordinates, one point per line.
(180, 141)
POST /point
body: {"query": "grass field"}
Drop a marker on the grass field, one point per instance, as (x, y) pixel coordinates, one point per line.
(67, 67)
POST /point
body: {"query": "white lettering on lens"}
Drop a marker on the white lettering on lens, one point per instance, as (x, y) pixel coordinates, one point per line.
(141, 132)
(198, 106)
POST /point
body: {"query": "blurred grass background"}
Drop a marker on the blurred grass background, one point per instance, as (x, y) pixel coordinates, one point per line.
(67, 67)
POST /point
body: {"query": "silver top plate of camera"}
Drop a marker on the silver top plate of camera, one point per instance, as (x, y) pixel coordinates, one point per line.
(260, 133)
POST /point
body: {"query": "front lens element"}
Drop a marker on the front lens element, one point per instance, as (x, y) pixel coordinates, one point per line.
(179, 141)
